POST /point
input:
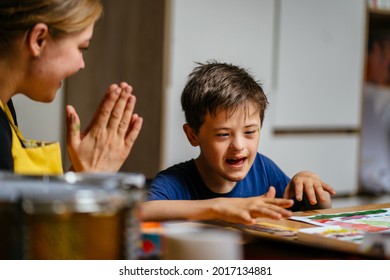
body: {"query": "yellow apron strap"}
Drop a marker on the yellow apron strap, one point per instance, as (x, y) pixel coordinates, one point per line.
(35, 157)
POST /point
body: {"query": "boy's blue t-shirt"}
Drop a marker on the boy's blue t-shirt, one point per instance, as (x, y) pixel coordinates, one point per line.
(183, 182)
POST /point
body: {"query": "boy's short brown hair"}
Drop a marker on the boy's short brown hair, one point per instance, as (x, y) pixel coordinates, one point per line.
(215, 86)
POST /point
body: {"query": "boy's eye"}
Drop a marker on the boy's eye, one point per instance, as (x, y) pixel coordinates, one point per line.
(223, 134)
(250, 132)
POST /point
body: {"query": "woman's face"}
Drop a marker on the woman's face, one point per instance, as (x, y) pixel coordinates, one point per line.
(60, 59)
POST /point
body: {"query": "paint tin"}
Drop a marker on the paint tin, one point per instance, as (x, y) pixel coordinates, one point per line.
(79, 216)
(11, 225)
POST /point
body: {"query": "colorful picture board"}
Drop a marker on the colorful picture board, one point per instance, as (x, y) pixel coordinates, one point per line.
(366, 231)
(375, 220)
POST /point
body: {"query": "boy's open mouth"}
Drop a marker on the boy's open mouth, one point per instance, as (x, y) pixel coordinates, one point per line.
(235, 161)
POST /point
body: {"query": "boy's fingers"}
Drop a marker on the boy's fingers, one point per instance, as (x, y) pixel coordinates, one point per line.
(310, 193)
(320, 192)
(271, 192)
(298, 190)
(328, 188)
(272, 211)
(278, 202)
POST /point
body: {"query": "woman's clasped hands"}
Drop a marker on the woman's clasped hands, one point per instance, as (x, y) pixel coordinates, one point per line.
(107, 141)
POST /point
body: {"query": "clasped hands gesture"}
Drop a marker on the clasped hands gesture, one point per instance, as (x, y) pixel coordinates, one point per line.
(303, 185)
(107, 141)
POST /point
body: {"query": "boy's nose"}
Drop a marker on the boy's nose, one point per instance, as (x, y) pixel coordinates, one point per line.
(237, 144)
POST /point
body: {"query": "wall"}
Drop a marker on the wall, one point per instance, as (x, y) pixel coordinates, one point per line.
(235, 31)
(134, 55)
(41, 121)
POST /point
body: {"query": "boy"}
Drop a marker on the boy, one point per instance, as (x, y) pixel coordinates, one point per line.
(229, 180)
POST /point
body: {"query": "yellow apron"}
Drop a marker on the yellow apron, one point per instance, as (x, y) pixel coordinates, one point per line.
(35, 157)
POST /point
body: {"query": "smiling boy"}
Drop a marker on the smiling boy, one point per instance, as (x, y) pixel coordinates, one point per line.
(224, 108)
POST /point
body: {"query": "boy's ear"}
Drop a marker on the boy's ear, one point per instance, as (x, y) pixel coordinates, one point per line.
(37, 38)
(191, 135)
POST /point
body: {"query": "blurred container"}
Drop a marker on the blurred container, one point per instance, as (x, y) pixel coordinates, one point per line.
(74, 216)
(10, 221)
(194, 241)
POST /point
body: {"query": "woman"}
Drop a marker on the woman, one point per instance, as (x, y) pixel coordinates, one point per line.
(41, 44)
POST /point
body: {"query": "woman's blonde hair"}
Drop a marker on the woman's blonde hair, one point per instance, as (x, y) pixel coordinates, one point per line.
(61, 16)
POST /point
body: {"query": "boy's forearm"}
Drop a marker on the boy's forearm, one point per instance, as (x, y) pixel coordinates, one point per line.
(164, 210)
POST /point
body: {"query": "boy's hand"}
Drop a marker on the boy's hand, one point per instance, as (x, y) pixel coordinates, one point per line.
(271, 193)
(312, 186)
(246, 210)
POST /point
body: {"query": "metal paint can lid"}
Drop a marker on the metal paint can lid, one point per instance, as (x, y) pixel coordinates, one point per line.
(74, 193)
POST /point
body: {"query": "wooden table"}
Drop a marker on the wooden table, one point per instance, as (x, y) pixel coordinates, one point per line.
(258, 245)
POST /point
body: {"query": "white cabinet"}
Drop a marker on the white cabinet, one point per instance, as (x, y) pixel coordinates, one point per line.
(334, 157)
(316, 109)
(320, 64)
